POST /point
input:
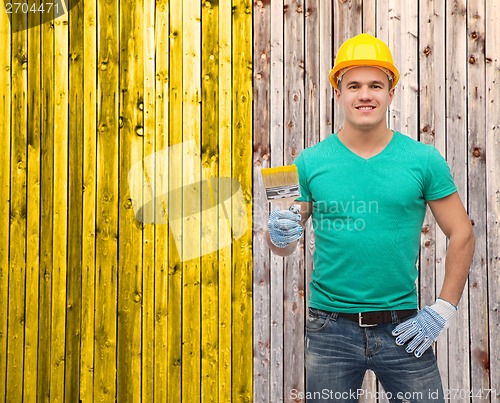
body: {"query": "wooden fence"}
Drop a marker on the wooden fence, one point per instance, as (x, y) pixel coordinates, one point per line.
(448, 53)
(97, 304)
(120, 117)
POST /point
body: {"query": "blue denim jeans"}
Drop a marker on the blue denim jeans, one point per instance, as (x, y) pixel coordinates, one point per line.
(338, 352)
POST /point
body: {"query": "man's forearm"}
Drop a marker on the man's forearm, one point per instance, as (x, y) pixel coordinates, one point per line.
(458, 261)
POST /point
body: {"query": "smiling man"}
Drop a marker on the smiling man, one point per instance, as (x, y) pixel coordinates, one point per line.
(363, 311)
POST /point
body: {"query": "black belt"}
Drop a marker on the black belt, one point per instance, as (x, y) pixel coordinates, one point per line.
(366, 319)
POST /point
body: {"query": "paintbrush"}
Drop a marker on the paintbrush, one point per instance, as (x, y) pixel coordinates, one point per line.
(281, 183)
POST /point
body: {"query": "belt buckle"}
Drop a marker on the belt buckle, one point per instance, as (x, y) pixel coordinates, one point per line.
(360, 321)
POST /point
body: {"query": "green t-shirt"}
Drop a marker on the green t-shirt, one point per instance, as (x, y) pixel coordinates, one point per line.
(367, 219)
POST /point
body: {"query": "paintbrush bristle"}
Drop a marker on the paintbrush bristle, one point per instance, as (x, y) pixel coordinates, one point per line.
(281, 182)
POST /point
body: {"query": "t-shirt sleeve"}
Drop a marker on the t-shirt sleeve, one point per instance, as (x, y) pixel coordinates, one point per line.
(305, 194)
(438, 180)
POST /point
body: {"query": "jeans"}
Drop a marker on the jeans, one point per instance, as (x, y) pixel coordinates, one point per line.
(338, 352)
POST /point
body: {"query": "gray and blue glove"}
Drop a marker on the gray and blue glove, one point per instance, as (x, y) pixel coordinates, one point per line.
(284, 227)
(425, 327)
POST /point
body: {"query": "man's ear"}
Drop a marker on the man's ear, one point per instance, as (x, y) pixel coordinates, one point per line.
(337, 94)
(391, 94)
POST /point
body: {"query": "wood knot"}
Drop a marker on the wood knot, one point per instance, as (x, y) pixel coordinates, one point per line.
(472, 59)
(427, 51)
(476, 152)
(483, 358)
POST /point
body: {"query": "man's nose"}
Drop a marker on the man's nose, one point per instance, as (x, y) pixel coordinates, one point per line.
(364, 93)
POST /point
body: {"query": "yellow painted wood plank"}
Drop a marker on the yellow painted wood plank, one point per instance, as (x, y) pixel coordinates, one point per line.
(47, 203)
(60, 212)
(76, 119)
(33, 213)
(242, 171)
(210, 202)
(89, 201)
(5, 142)
(131, 132)
(148, 241)
(190, 235)
(225, 164)
(107, 203)
(17, 252)
(175, 132)
(159, 179)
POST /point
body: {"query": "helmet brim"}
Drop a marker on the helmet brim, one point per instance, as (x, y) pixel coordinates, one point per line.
(334, 73)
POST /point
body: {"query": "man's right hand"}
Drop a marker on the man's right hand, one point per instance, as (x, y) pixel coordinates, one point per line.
(284, 227)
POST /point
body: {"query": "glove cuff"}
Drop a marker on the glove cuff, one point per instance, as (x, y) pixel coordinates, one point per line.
(446, 310)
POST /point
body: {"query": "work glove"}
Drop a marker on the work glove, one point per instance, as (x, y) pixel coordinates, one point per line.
(425, 327)
(284, 227)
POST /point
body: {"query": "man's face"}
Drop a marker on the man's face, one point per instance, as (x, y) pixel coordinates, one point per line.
(364, 95)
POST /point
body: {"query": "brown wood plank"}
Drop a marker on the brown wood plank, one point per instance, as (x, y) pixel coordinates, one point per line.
(456, 146)
(277, 83)
(476, 165)
(261, 141)
(492, 43)
(293, 143)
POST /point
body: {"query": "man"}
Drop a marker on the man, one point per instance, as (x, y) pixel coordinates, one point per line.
(367, 188)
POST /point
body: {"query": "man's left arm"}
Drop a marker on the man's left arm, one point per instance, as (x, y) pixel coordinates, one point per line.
(424, 329)
(453, 220)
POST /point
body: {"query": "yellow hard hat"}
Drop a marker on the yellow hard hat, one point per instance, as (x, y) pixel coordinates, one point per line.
(363, 50)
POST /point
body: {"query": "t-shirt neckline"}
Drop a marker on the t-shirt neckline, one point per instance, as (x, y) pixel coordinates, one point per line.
(382, 152)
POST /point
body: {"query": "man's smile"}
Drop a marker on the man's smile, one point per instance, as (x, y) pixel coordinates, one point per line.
(365, 107)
